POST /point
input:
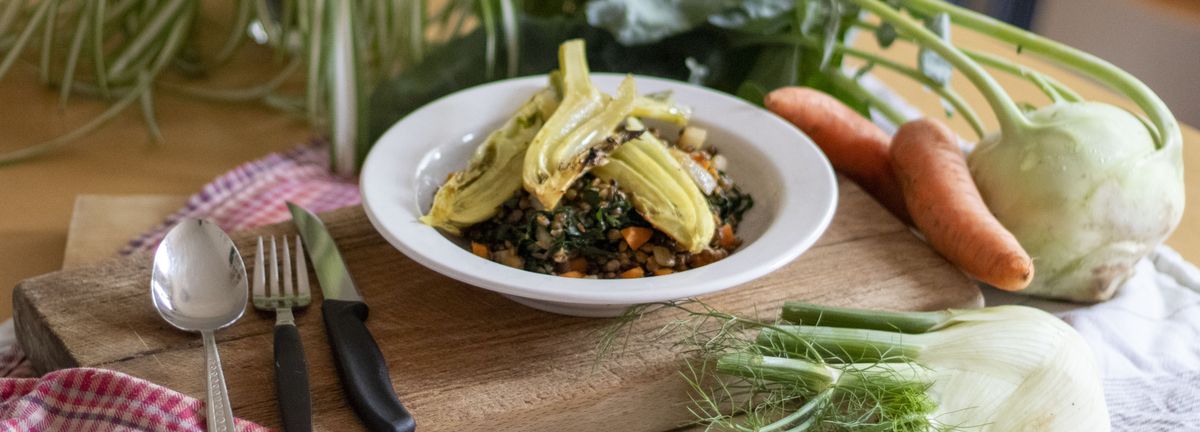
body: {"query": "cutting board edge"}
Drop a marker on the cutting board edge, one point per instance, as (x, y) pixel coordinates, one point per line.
(35, 335)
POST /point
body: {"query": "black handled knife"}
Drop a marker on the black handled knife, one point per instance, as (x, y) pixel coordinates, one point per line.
(360, 364)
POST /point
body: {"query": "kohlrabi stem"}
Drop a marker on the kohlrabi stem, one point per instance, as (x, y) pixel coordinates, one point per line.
(885, 107)
(1106, 72)
(1044, 82)
(1004, 65)
(829, 316)
(845, 345)
(893, 114)
(945, 92)
(1007, 113)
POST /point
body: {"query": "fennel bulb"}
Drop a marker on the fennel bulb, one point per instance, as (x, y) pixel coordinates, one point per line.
(1003, 369)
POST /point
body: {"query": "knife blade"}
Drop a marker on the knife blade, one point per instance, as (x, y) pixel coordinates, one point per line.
(360, 363)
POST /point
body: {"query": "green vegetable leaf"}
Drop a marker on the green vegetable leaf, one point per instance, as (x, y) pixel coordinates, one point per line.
(931, 63)
(750, 11)
(637, 22)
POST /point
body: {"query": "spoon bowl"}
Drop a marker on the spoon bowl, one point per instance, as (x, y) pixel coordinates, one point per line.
(199, 280)
(199, 284)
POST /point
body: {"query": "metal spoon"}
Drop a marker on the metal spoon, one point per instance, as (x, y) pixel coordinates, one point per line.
(199, 284)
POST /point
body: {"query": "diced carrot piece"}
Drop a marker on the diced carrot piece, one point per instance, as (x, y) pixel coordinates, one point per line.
(480, 250)
(636, 236)
(571, 274)
(578, 264)
(726, 238)
(702, 160)
(632, 273)
(663, 271)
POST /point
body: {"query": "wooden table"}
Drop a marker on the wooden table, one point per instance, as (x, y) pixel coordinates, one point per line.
(205, 139)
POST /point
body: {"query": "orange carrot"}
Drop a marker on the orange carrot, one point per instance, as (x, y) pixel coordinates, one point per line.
(725, 237)
(578, 264)
(632, 273)
(663, 271)
(946, 206)
(571, 274)
(636, 236)
(855, 146)
(480, 250)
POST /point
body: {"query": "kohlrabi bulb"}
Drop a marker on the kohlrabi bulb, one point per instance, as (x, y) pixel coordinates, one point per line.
(1085, 191)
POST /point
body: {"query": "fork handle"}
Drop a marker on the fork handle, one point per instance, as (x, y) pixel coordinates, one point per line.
(291, 379)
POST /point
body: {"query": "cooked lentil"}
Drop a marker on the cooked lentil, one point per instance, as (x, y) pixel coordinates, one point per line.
(583, 234)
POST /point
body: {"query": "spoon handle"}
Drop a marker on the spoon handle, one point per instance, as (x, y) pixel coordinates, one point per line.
(220, 414)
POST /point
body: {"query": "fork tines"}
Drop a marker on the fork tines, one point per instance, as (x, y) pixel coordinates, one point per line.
(267, 293)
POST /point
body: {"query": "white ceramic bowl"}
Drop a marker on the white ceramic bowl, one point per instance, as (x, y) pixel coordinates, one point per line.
(790, 179)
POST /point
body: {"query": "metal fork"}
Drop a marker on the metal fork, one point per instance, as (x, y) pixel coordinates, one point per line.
(291, 369)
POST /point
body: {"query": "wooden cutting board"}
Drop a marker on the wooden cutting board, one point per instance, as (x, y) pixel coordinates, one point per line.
(462, 358)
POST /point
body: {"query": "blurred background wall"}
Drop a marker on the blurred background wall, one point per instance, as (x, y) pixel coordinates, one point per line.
(1156, 40)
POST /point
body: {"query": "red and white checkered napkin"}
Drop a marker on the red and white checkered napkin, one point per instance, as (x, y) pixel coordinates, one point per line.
(99, 400)
(249, 196)
(253, 194)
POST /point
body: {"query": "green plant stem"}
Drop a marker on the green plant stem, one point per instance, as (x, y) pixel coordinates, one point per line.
(48, 32)
(829, 316)
(174, 42)
(946, 93)
(147, 102)
(7, 16)
(39, 16)
(1004, 65)
(98, 47)
(814, 377)
(805, 413)
(315, 72)
(1007, 113)
(489, 28)
(81, 25)
(1045, 83)
(159, 23)
(237, 95)
(842, 345)
(237, 32)
(1130, 86)
(416, 28)
(511, 37)
(120, 10)
(855, 88)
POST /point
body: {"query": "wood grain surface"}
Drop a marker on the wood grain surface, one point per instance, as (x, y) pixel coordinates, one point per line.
(462, 358)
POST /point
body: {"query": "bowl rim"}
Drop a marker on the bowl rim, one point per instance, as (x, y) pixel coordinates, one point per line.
(414, 238)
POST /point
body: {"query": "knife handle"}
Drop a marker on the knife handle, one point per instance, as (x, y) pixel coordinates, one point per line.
(362, 369)
(291, 380)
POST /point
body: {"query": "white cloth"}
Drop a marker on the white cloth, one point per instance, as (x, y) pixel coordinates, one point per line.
(1146, 341)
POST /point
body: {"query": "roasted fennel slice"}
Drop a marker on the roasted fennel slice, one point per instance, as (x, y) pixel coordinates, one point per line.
(493, 175)
(660, 107)
(661, 190)
(573, 139)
